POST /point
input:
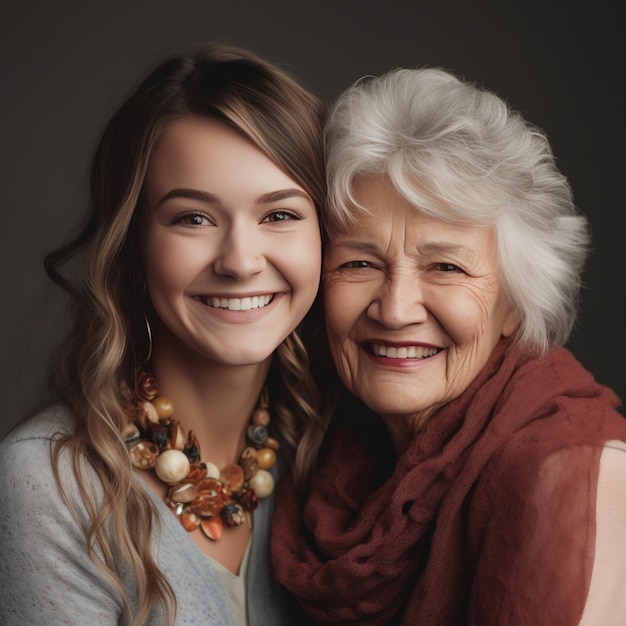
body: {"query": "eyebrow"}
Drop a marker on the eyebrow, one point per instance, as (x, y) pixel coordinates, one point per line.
(209, 198)
(441, 248)
(431, 248)
(191, 194)
(355, 244)
(283, 194)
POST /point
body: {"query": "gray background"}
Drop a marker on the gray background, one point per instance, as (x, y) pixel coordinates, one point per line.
(66, 65)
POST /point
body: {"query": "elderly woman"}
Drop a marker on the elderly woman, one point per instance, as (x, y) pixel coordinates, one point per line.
(451, 284)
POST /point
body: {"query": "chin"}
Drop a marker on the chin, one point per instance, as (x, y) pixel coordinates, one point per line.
(393, 406)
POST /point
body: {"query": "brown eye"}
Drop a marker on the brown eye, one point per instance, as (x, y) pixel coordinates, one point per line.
(280, 216)
(192, 219)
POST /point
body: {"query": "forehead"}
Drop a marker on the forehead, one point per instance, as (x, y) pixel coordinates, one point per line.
(194, 138)
(204, 153)
(381, 214)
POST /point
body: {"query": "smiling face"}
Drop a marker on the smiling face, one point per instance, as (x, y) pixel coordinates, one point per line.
(230, 244)
(414, 305)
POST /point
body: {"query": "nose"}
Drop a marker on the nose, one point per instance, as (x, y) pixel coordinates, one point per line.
(399, 301)
(239, 255)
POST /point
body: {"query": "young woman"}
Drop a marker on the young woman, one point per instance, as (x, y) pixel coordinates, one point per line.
(146, 494)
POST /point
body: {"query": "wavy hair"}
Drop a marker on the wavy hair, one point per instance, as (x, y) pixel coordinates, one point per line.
(460, 153)
(99, 362)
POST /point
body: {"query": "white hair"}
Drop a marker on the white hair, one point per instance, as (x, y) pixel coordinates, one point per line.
(458, 152)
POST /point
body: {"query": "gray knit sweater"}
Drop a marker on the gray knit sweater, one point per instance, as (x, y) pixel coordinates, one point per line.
(47, 577)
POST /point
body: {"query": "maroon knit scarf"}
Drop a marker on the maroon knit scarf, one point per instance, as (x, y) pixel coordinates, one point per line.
(432, 544)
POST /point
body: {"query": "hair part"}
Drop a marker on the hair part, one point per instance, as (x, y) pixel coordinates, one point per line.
(458, 152)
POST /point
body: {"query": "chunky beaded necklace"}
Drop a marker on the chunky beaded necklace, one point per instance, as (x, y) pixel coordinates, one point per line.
(199, 493)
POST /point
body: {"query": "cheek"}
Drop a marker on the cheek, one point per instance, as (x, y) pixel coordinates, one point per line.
(341, 315)
(169, 266)
(301, 264)
(470, 318)
(461, 315)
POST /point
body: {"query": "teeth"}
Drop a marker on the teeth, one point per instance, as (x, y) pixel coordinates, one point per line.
(404, 352)
(238, 304)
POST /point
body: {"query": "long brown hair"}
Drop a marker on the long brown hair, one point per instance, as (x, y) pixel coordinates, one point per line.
(107, 335)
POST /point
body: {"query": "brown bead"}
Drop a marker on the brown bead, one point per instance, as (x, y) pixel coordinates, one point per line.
(132, 410)
(272, 443)
(233, 514)
(193, 441)
(267, 458)
(196, 473)
(176, 439)
(141, 417)
(147, 387)
(183, 492)
(144, 454)
(248, 499)
(249, 466)
(210, 486)
(206, 505)
(261, 417)
(177, 507)
(248, 452)
(232, 478)
(163, 406)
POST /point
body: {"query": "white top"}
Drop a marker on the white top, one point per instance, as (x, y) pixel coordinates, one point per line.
(235, 585)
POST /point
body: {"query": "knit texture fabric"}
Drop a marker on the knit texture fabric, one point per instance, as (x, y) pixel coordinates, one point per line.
(47, 577)
(488, 517)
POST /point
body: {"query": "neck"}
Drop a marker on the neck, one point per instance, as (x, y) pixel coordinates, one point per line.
(403, 429)
(214, 400)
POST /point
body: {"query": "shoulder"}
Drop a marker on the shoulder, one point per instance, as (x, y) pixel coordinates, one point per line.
(28, 482)
(611, 494)
(543, 473)
(27, 447)
(56, 419)
(606, 598)
(45, 554)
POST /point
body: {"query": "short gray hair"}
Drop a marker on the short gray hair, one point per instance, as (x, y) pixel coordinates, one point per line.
(459, 152)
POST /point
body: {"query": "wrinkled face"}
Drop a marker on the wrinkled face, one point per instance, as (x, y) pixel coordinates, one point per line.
(230, 244)
(414, 305)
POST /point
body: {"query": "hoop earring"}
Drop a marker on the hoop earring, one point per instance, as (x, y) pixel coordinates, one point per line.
(149, 331)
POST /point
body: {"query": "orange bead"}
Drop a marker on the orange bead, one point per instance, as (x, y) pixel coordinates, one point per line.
(189, 520)
(213, 528)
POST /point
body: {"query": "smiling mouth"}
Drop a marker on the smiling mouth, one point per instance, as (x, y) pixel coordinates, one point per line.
(403, 352)
(237, 304)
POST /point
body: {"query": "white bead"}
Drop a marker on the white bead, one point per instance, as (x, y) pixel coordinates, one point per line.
(212, 471)
(262, 483)
(172, 466)
(151, 412)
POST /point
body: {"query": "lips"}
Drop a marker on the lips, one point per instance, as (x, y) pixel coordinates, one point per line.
(403, 352)
(246, 303)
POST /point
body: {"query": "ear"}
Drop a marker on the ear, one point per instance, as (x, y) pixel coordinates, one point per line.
(510, 323)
